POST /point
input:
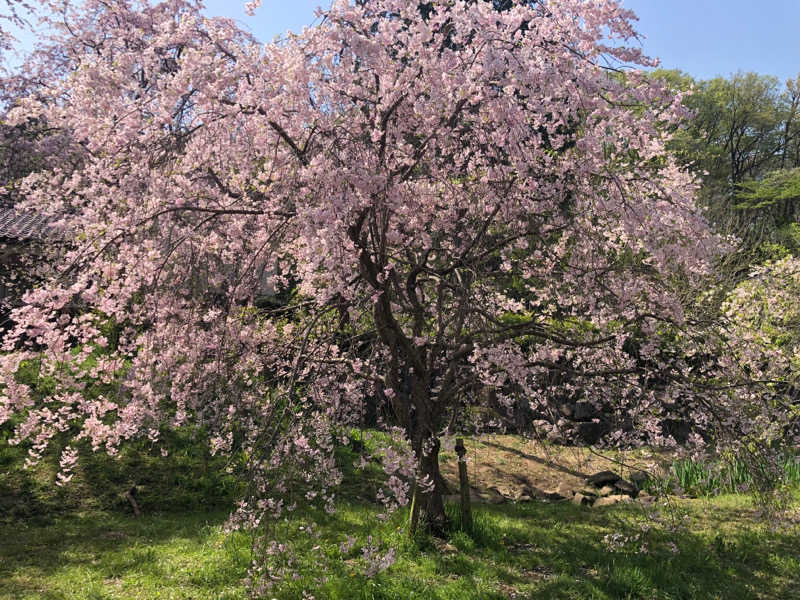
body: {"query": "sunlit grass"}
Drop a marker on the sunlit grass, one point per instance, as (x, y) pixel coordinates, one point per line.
(82, 543)
(101, 555)
(532, 550)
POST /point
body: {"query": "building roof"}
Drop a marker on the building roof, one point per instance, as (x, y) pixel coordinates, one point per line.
(23, 226)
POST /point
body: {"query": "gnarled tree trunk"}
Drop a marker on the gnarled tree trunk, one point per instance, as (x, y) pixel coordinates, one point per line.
(427, 502)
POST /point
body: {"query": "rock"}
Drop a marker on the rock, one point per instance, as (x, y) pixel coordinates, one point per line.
(476, 495)
(606, 490)
(444, 547)
(588, 491)
(495, 497)
(603, 478)
(581, 500)
(524, 498)
(555, 496)
(626, 487)
(611, 501)
(579, 411)
(554, 436)
(548, 495)
(565, 490)
(677, 428)
(506, 492)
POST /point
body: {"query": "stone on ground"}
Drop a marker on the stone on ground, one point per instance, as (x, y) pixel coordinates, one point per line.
(611, 501)
(603, 478)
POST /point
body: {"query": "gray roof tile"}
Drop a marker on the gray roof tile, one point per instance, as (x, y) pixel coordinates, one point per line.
(23, 225)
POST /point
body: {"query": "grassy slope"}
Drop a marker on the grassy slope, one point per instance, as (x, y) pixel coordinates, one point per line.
(96, 550)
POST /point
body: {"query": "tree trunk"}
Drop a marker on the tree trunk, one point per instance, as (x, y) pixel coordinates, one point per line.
(427, 503)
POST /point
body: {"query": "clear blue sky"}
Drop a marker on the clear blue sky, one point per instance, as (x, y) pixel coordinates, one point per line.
(702, 37)
(706, 38)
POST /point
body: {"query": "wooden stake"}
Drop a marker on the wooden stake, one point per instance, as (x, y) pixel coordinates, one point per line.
(466, 508)
(130, 495)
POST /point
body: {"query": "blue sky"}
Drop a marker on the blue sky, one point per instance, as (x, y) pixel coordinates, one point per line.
(702, 37)
(718, 37)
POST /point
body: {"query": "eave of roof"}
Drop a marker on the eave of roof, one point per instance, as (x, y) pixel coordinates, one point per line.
(24, 226)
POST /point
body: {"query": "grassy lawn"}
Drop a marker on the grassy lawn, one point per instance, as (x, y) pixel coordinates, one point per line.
(81, 542)
(531, 550)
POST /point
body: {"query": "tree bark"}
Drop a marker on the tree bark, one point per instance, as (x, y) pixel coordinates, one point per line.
(427, 503)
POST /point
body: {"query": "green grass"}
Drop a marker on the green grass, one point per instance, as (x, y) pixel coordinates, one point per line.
(532, 550)
(81, 542)
(189, 478)
(719, 477)
(98, 555)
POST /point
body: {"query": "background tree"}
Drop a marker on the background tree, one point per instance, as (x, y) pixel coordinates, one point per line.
(742, 128)
(739, 139)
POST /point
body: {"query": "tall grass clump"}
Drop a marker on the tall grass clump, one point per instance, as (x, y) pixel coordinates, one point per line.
(481, 532)
(728, 476)
(792, 468)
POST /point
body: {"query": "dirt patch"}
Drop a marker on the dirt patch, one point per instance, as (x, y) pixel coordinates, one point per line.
(508, 464)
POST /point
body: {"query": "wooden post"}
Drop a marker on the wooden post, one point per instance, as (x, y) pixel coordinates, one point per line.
(466, 509)
(130, 495)
(413, 518)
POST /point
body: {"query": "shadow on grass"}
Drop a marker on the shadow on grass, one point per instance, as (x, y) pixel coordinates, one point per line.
(539, 551)
(557, 551)
(81, 555)
(189, 478)
(534, 551)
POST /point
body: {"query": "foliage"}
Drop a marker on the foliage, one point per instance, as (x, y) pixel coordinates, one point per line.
(770, 203)
(742, 140)
(777, 188)
(765, 304)
(742, 127)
